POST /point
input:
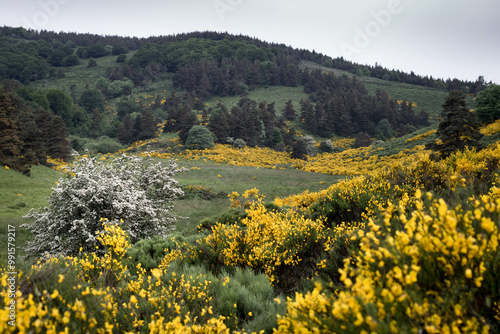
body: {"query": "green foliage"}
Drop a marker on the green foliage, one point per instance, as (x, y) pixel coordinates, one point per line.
(239, 143)
(149, 252)
(121, 58)
(103, 145)
(249, 293)
(362, 140)
(119, 49)
(199, 137)
(114, 89)
(91, 100)
(384, 130)
(338, 208)
(10, 144)
(173, 55)
(458, 128)
(229, 216)
(71, 60)
(61, 104)
(326, 146)
(487, 104)
(97, 51)
(35, 97)
(21, 61)
(126, 107)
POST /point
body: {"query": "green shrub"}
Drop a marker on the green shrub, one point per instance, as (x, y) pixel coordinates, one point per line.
(249, 297)
(104, 145)
(199, 137)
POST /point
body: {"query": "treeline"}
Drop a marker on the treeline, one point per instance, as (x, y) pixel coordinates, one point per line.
(28, 133)
(92, 46)
(343, 107)
(338, 105)
(234, 76)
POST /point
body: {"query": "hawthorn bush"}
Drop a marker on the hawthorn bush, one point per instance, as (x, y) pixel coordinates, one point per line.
(131, 191)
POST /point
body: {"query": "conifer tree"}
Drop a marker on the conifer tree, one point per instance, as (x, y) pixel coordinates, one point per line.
(10, 144)
(308, 116)
(125, 130)
(458, 128)
(289, 113)
(219, 123)
(54, 134)
(148, 125)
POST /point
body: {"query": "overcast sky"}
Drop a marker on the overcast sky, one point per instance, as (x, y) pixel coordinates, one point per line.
(442, 38)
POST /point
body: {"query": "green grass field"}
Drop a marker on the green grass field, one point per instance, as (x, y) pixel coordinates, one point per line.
(271, 182)
(81, 75)
(277, 94)
(428, 99)
(18, 194)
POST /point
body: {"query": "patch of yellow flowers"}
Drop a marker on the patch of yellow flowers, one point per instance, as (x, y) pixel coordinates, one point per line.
(97, 294)
(426, 277)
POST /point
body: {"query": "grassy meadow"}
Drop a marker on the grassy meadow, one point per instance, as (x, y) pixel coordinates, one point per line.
(224, 178)
(20, 193)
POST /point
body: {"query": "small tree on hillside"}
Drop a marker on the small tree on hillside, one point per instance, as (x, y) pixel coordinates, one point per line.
(362, 140)
(10, 144)
(289, 112)
(130, 191)
(488, 104)
(458, 128)
(199, 138)
(384, 130)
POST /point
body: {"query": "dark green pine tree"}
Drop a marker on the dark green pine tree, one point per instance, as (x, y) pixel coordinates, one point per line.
(308, 116)
(219, 123)
(125, 131)
(10, 144)
(54, 133)
(136, 128)
(33, 149)
(458, 128)
(148, 125)
(187, 119)
(289, 113)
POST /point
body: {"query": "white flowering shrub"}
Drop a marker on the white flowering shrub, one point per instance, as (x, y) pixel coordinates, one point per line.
(131, 191)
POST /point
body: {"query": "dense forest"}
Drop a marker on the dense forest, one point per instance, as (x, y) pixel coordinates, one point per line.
(201, 65)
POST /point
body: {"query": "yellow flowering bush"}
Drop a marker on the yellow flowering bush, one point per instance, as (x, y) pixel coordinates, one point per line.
(247, 156)
(272, 241)
(491, 129)
(428, 276)
(421, 136)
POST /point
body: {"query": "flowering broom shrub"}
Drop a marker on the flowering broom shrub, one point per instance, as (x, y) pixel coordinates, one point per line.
(91, 293)
(280, 244)
(129, 189)
(439, 274)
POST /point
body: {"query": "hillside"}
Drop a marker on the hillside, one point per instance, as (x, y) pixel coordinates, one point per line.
(224, 184)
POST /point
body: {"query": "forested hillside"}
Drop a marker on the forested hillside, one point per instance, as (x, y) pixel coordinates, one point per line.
(213, 183)
(108, 91)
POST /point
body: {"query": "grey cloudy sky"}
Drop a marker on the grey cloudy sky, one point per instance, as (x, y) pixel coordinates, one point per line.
(442, 38)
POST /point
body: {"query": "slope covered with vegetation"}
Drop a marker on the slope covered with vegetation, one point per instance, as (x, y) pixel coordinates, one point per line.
(293, 221)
